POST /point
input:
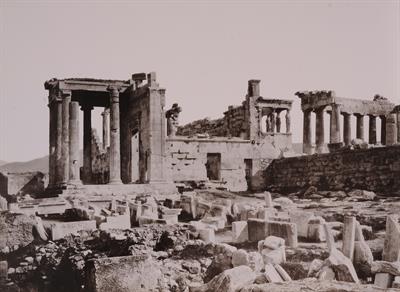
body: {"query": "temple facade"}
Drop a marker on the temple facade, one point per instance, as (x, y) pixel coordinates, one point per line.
(142, 142)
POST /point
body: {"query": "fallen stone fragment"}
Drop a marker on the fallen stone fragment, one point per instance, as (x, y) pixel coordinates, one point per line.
(240, 232)
(349, 230)
(207, 235)
(285, 230)
(342, 266)
(257, 229)
(228, 281)
(271, 242)
(362, 195)
(3, 271)
(268, 199)
(363, 258)
(330, 240)
(326, 273)
(40, 229)
(271, 274)
(392, 268)
(315, 267)
(396, 282)
(391, 249)
(301, 219)
(281, 271)
(383, 280)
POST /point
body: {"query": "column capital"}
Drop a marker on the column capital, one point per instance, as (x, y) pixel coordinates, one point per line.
(65, 92)
(114, 93)
(106, 112)
(358, 115)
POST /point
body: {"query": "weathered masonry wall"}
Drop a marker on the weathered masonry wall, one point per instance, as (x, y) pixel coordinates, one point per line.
(376, 169)
(242, 162)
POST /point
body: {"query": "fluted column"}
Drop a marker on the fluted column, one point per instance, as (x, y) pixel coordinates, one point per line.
(372, 130)
(346, 128)
(307, 148)
(52, 141)
(87, 143)
(319, 130)
(74, 177)
(360, 127)
(115, 156)
(106, 127)
(58, 160)
(66, 100)
(287, 117)
(335, 124)
(273, 121)
(383, 130)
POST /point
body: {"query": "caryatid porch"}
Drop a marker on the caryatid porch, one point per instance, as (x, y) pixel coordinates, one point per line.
(129, 106)
(320, 101)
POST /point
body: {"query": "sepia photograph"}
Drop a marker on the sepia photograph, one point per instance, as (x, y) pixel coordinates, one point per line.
(199, 145)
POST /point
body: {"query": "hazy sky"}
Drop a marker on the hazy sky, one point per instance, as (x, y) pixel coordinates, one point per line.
(203, 53)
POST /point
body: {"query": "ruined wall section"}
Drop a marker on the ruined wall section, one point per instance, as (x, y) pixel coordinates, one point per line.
(376, 169)
(187, 159)
(233, 124)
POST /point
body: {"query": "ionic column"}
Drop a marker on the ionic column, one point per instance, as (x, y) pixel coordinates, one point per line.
(115, 158)
(383, 130)
(106, 127)
(58, 128)
(66, 100)
(273, 121)
(372, 130)
(74, 177)
(360, 127)
(287, 117)
(346, 128)
(307, 148)
(87, 143)
(52, 141)
(319, 130)
(335, 124)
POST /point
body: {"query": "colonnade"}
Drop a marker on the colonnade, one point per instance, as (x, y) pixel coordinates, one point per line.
(335, 131)
(64, 166)
(274, 122)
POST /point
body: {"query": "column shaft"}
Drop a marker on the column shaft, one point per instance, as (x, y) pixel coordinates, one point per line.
(52, 142)
(307, 132)
(74, 177)
(319, 130)
(273, 121)
(398, 126)
(383, 130)
(65, 137)
(335, 124)
(115, 156)
(346, 128)
(278, 122)
(58, 114)
(360, 127)
(87, 143)
(287, 117)
(106, 127)
(372, 130)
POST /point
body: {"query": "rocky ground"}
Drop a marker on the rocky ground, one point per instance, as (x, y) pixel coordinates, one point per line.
(181, 259)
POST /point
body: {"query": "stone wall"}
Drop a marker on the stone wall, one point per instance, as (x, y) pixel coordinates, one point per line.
(376, 169)
(187, 159)
(22, 183)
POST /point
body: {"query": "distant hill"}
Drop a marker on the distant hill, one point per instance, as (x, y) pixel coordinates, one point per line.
(2, 162)
(38, 164)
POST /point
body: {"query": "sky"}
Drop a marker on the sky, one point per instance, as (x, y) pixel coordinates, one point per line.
(204, 52)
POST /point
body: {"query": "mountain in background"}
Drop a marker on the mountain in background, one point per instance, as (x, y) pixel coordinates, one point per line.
(42, 164)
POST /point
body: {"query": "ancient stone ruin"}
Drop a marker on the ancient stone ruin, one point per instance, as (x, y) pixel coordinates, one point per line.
(213, 205)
